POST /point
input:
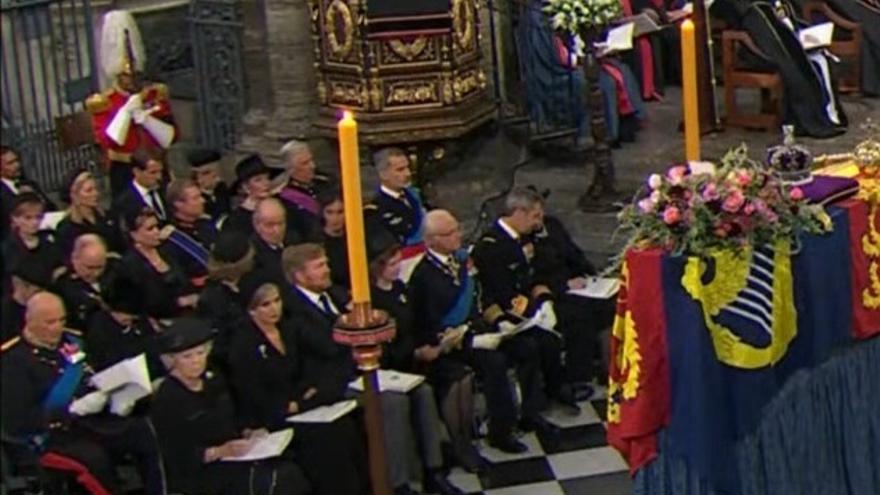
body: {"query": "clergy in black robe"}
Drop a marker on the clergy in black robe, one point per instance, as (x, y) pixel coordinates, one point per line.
(867, 14)
(196, 423)
(806, 99)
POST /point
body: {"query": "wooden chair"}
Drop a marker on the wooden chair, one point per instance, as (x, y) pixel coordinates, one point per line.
(846, 45)
(737, 76)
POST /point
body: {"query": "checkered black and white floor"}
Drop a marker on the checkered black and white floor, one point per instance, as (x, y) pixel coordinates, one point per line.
(577, 460)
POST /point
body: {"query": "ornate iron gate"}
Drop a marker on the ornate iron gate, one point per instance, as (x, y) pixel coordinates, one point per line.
(47, 70)
(216, 27)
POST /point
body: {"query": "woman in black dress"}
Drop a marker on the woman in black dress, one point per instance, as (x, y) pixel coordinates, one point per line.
(253, 181)
(269, 385)
(195, 422)
(26, 243)
(451, 379)
(220, 302)
(333, 233)
(166, 290)
(84, 214)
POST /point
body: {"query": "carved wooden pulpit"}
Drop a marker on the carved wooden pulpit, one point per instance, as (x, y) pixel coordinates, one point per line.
(409, 78)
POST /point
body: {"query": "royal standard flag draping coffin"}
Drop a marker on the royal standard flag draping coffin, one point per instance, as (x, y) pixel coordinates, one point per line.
(864, 235)
(638, 391)
(739, 324)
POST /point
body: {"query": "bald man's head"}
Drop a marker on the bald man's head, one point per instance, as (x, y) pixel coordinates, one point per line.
(45, 318)
(89, 257)
(270, 221)
(442, 233)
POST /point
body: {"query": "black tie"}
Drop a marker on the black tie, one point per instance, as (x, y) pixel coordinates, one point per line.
(156, 204)
(325, 303)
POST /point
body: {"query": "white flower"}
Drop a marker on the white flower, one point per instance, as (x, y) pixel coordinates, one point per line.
(655, 181)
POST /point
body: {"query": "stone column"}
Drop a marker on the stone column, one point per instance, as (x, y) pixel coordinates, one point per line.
(284, 99)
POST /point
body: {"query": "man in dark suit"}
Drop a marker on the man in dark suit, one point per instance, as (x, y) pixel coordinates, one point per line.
(145, 189)
(444, 295)
(512, 293)
(12, 182)
(270, 238)
(205, 164)
(313, 305)
(194, 232)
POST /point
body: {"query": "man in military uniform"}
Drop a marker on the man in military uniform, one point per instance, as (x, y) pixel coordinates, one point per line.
(130, 114)
(398, 206)
(51, 415)
(512, 294)
(444, 298)
(204, 164)
(194, 232)
(300, 193)
(84, 285)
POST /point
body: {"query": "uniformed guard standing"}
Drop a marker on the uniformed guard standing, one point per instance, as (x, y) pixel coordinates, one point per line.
(130, 114)
(47, 407)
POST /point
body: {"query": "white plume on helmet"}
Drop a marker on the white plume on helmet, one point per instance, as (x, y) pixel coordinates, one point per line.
(113, 50)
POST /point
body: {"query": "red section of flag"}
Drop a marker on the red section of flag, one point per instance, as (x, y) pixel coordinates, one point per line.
(866, 320)
(638, 395)
(84, 477)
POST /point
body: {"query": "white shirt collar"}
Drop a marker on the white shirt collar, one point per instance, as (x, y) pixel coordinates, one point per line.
(507, 228)
(442, 258)
(11, 185)
(393, 194)
(143, 191)
(315, 298)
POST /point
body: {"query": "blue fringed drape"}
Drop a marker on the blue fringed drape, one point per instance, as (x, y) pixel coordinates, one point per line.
(819, 435)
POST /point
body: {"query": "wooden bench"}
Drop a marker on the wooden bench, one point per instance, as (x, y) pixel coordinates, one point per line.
(737, 76)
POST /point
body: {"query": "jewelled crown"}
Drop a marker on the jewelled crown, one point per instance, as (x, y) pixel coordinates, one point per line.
(789, 161)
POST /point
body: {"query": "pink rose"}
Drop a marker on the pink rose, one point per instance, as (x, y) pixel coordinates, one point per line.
(743, 178)
(676, 174)
(671, 215)
(796, 194)
(646, 205)
(710, 192)
(749, 208)
(734, 201)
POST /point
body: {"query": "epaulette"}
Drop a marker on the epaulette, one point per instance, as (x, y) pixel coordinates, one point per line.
(73, 331)
(9, 343)
(97, 103)
(487, 238)
(161, 90)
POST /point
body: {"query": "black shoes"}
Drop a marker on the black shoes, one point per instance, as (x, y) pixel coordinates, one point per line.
(536, 424)
(507, 443)
(435, 482)
(470, 459)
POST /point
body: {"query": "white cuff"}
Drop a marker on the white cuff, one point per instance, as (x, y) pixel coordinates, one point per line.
(161, 131)
(118, 128)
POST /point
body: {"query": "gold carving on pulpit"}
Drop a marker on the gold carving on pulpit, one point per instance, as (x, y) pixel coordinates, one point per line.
(344, 93)
(468, 82)
(409, 51)
(411, 93)
(375, 95)
(463, 22)
(339, 25)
